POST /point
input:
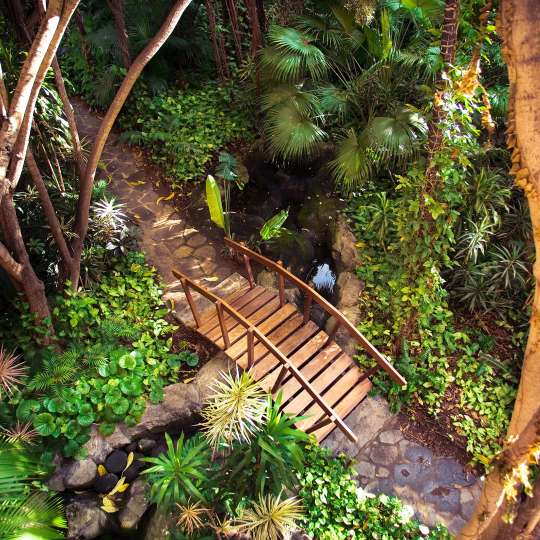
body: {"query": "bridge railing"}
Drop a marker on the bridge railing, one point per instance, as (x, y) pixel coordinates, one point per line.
(311, 296)
(254, 334)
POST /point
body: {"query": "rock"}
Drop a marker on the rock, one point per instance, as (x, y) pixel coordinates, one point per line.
(105, 483)
(135, 506)
(145, 445)
(80, 474)
(391, 437)
(299, 535)
(135, 468)
(348, 288)
(418, 454)
(267, 279)
(384, 454)
(382, 472)
(133, 446)
(56, 481)
(344, 251)
(158, 526)
(210, 372)
(85, 519)
(364, 468)
(99, 447)
(116, 462)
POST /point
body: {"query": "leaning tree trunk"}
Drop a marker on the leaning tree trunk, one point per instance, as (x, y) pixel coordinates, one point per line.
(87, 181)
(254, 24)
(519, 23)
(117, 10)
(232, 11)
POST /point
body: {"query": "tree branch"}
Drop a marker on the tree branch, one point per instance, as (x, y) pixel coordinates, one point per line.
(9, 264)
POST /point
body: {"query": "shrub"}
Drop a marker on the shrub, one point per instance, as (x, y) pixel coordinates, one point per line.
(183, 130)
(337, 509)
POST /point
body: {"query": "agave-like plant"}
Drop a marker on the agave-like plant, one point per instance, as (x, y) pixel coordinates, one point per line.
(12, 371)
(181, 473)
(22, 433)
(271, 518)
(235, 410)
(191, 516)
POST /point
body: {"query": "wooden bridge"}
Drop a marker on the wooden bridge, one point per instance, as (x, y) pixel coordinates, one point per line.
(285, 350)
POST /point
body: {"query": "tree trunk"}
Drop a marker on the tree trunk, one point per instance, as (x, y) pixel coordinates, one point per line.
(87, 181)
(85, 48)
(217, 45)
(254, 24)
(117, 10)
(232, 10)
(520, 20)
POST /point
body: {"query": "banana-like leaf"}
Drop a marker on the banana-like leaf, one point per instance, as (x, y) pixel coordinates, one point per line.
(213, 200)
(274, 226)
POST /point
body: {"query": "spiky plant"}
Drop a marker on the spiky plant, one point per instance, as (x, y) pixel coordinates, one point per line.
(20, 432)
(271, 518)
(180, 473)
(190, 516)
(235, 410)
(12, 371)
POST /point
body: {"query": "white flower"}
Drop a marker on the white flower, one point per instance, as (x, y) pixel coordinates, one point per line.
(406, 513)
(424, 530)
(363, 494)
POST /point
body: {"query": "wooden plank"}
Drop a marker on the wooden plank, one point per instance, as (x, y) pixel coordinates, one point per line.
(239, 330)
(237, 304)
(247, 311)
(265, 327)
(309, 370)
(341, 388)
(330, 375)
(345, 407)
(210, 314)
(283, 328)
(291, 344)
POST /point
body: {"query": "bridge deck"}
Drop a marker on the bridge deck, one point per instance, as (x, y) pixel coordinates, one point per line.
(285, 349)
(334, 375)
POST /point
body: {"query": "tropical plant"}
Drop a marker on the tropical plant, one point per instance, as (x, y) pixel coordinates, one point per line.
(271, 518)
(235, 410)
(273, 227)
(191, 516)
(181, 473)
(25, 511)
(12, 371)
(268, 461)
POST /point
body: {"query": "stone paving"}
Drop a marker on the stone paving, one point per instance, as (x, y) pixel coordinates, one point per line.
(168, 239)
(438, 488)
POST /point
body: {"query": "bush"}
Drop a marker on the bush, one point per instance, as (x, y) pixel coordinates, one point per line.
(337, 509)
(183, 130)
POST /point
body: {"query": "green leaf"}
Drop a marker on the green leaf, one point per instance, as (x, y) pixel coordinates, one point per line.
(213, 200)
(274, 226)
(44, 424)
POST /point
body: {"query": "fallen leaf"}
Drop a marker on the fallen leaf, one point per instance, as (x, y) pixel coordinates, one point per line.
(167, 198)
(101, 470)
(138, 183)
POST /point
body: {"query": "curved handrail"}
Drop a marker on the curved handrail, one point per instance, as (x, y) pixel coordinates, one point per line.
(188, 283)
(341, 320)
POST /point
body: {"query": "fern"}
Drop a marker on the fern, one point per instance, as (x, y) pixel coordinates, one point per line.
(55, 371)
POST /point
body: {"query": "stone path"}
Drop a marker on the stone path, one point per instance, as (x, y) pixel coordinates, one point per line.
(437, 488)
(168, 239)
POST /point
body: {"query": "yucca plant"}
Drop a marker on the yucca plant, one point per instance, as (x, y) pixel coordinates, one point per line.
(271, 518)
(181, 473)
(235, 410)
(191, 516)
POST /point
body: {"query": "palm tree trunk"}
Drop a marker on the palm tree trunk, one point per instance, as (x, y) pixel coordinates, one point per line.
(520, 21)
(117, 10)
(87, 181)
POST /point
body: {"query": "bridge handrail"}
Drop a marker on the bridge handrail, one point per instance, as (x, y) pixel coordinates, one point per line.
(252, 332)
(310, 296)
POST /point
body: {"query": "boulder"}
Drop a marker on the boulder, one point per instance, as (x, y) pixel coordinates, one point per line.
(344, 250)
(145, 445)
(208, 374)
(86, 520)
(79, 474)
(159, 526)
(116, 462)
(135, 505)
(105, 483)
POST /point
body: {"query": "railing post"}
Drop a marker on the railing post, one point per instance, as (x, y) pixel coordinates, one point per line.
(194, 310)
(332, 333)
(279, 380)
(250, 347)
(247, 264)
(281, 284)
(223, 326)
(308, 300)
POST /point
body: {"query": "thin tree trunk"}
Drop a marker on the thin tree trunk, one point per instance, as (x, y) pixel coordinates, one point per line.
(48, 209)
(253, 16)
(117, 10)
(520, 20)
(70, 115)
(85, 48)
(214, 38)
(21, 102)
(87, 181)
(232, 10)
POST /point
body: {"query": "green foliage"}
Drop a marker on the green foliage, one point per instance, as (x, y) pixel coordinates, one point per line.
(181, 473)
(337, 509)
(213, 201)
(273, 227)
(26, 509)
(183, 130)
(117, 354)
